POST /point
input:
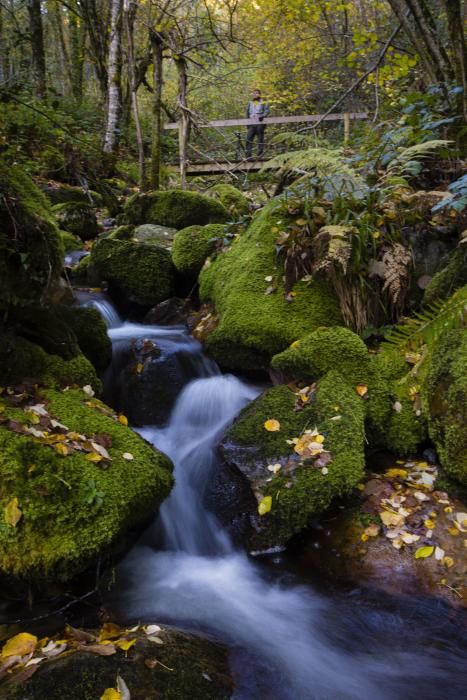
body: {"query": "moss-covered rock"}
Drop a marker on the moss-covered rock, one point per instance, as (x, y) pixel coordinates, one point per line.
(395, 420)
(300, 489)
(91, 333)
(192, 246)
(323, 350)
(122, 233)
(20, 359)
(61, 193)
(72, 509)
(450, 278)
(152, 233)
(30, 245)
(139, 272)
(78, 218)
(175, 208)
(187, 668)
(445, 397)
(233, 200)
(255, 324)
(69, 242)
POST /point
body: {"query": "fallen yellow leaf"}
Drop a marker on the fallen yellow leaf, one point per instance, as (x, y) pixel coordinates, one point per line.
(125, 644)
(391, 519)
(265, 505)
(394, 473)
(109, 631)
(361, 389)
(111, 694)
(430, 524)
(94, 457)
(61, 449)
(448, 562)
(13, 512)
(272, 425)
(19, 645)
(123, 419)
(424, 552)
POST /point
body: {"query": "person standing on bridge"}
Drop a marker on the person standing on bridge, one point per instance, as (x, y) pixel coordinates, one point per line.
(257, 109)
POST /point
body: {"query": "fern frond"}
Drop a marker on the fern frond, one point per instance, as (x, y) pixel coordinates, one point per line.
(332, 246)
(407, 162)
(397, 262)
(427, 325)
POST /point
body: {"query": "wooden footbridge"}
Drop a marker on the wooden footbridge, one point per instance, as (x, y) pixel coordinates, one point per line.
(208, 163)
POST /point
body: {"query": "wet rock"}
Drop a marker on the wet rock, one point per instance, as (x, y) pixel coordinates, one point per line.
(184, 667)
(171, 312)
(152, 233)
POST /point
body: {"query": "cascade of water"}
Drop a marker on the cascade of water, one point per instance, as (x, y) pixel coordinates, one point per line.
(107, 311)
(290, 643)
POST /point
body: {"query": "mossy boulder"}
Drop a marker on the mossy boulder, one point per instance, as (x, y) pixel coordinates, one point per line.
(30, 246)
(233, 200)
(141, 273)
(300, 489)
(174, 208)
(191, 247)
(72, 509)
(323, 350)
(395, 419)
(91, 333)
(187, 668)
(450, 278)
(122, 233)
(77, 218)
(61, 193)
(254, 323)
(445, 397)
(20, 359)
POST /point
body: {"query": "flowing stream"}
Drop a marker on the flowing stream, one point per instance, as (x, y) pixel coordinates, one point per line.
(287, 641)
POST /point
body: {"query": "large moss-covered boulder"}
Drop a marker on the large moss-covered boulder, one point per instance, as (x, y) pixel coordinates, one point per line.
(445, 397)
(30, 246)
(64, 500)
(20, 358)
(61, 193)
(323, 350)
(268, 447)
(257, 319)
(233, 200)
(152, 233)
(77, 218)
(139, 272)
(184, 667)
(91, 333)
(191, 247)
(175, 208)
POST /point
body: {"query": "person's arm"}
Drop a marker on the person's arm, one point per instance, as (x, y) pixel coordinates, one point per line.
(248, 111)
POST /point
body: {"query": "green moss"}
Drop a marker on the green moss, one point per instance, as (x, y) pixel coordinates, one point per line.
(450, 278)
(69, 242)
(64, 526)
(52, 161)
(233, 200)
(61, 193)
(142, 273)
(297, 496)
(80, 273)
(255, 325)
(20, 359)
(78, 218)
(192, 246)
(175, 208)
(323, 350)
(389, 388)
(445, 393)
(91, 333)
(30, 245)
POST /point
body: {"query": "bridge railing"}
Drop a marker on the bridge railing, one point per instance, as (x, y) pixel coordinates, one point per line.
(228, 145)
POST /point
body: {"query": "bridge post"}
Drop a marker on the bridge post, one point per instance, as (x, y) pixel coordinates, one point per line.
(346, 128)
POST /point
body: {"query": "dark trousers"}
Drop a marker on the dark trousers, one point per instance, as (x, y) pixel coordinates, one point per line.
(258, 131)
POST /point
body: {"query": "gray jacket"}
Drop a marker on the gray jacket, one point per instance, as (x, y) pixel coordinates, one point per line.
(258, 109)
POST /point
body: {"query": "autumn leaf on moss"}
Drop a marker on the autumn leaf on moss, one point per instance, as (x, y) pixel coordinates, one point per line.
(272, 425)
(265, 505)
(123, 419)
(362, 390)
(12, 512)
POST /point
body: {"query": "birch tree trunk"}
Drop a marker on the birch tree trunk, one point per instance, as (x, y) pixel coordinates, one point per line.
(129, 10)
(37, 49)
(114, 84)
(157, 55)
(184, 122)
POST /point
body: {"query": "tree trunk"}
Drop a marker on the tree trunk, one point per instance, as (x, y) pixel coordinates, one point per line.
(77, 38)
(458, 50)
(114, 85)
(4, 62)
(184, 122)
(98, 34)
(130, 10)
(37, 47)
(64, 58)
(157, 51)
